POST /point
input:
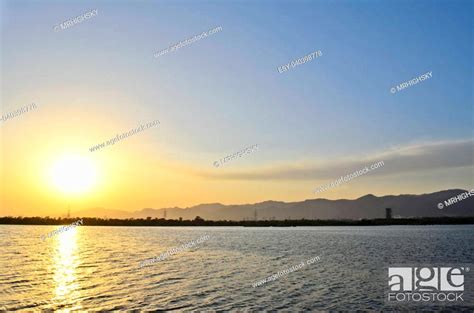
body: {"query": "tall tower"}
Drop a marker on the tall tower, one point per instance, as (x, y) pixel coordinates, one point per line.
(255, 214)
(388, 213)
(164, 214)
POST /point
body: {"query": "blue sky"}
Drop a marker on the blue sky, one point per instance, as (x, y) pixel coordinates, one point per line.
(224, 92)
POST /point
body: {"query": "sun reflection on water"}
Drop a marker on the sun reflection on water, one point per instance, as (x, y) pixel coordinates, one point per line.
(66, 260)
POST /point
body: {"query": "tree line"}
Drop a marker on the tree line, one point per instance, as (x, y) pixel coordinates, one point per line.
(198, 221)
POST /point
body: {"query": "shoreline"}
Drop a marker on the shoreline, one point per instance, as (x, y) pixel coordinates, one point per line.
(263, 223)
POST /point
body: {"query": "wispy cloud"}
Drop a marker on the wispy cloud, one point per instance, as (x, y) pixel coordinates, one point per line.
(412, 158)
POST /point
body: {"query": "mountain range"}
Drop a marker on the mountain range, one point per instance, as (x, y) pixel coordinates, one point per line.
(366, 207)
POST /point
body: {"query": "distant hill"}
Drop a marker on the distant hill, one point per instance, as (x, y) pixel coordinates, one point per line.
(367, 207)
(103, 213)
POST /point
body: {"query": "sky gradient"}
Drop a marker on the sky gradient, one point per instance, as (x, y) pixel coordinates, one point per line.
(323, 119)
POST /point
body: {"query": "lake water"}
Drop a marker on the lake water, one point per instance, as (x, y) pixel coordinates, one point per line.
(97, 268)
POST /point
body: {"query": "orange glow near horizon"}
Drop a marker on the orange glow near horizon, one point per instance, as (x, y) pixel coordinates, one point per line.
(46, 166)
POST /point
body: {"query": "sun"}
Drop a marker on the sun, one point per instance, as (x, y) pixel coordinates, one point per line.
(73, 174)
